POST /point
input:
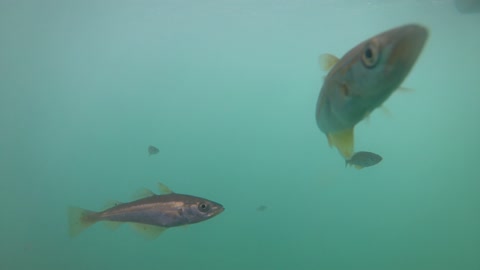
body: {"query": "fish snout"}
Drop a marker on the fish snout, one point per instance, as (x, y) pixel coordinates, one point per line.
(407, 43)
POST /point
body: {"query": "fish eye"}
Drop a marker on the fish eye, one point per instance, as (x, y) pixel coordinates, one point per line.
(203, 207)
(370, 55)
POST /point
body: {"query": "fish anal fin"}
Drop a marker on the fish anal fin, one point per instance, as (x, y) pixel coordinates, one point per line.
(143, 193)
(112, 225)
(343, 141)
(79, 219)
(327, 61)
(164, 189)
(148, 231)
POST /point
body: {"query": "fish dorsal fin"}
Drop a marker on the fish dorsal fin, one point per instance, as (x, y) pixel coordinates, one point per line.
(343, 141)
(112, 203)
(327, 61)
(148, 231)
(143, 193)
(164, 189)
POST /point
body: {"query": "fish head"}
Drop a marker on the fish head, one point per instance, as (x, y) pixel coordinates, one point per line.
(367, 75)
(380, 64)
(199, 209)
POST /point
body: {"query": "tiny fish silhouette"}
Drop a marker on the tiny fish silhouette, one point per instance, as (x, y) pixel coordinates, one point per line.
(261, 208)
(363, 159)
(152, 150)
(150, 215)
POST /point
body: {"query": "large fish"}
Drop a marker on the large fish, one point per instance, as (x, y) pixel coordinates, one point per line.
(363, 79)
(151, 214)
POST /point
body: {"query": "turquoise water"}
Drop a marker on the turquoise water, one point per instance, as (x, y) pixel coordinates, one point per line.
(227, 91)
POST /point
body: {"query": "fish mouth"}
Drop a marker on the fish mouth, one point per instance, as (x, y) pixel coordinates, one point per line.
(217, 209)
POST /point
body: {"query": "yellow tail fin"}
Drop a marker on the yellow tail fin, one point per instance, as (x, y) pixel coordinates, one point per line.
(79, 219)
(343, 141)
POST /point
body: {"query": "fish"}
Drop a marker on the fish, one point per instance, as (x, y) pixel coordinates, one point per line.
(150, 214)
(363, 79)
(363, 159)
(152, 150)
(261, 208)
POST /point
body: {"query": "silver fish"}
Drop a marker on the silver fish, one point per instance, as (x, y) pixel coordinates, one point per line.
(363, 79)
(363, 159)
(151, 214)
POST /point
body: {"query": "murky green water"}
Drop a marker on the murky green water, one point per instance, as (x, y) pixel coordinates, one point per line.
(227, 91)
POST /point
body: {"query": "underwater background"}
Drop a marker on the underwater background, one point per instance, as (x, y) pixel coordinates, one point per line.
(227, 91)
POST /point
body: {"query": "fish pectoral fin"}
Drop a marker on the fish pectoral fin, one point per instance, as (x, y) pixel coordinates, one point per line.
(112, 225)
(143, 193)
(343, 141)
(385, 110)
(148, 231)
(164, 189)
(327, 61)
(79, 219)
(404, 89)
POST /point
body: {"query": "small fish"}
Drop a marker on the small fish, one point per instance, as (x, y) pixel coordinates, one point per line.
(261, 208)
(151, 214)
(152, 150)
(363, 159)
(363, 79)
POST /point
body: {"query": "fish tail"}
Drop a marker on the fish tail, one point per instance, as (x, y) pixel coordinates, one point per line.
(79, 219)
(343, 141)
(346, 162)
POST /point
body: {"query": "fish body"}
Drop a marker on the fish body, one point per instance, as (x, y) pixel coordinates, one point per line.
(363, 79)
(363, 159)
(152, 213)
(152, 150)
(262, 208)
